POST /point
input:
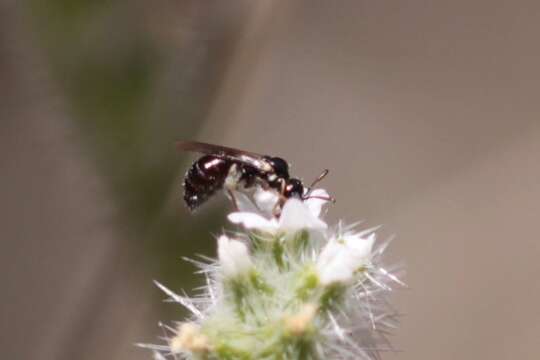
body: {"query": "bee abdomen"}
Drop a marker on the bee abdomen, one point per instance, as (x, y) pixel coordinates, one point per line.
(204, 178)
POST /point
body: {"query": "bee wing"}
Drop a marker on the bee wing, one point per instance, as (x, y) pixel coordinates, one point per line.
(246, 157)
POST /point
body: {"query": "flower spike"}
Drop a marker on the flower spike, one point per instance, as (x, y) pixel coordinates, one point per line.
(286, 287)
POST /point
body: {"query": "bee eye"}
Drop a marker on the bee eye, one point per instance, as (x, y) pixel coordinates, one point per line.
(280, 166)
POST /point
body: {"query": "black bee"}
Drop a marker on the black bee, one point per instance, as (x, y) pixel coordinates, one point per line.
(233, 169)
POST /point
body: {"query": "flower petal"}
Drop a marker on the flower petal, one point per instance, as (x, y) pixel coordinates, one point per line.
(265, 200)
(361, 247)
(330, 250)
(253, 221)
(296, 215)
(233, 256)
(315, 204)
(244, 203)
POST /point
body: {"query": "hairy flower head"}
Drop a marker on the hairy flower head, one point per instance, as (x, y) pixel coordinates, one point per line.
(287, 286)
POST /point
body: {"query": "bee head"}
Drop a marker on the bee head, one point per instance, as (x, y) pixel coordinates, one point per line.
(294, 188)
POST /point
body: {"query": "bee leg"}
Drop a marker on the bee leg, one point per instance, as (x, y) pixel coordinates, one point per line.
(233, 199)
(281, 201)
(276, 211)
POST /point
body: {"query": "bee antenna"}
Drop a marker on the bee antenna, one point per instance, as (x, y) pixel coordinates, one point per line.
(315, 182)
(319, 178)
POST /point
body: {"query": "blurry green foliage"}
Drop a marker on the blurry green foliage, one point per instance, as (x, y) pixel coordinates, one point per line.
(111, 73)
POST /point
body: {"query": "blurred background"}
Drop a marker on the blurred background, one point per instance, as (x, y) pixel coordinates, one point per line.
(425, 112)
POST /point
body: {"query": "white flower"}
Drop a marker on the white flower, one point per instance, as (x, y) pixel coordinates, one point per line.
(265, 200)
(233, 256)
(341, 257)
(258, 200)
(296, 214)
(318, 198)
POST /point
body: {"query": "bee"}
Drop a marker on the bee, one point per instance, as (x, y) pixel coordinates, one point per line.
(231, 169)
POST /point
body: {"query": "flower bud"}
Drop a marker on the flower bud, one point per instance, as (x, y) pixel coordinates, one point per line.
(233, 257)
(190, 339)
(299, 323)
(341, 257)
(266, 200)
